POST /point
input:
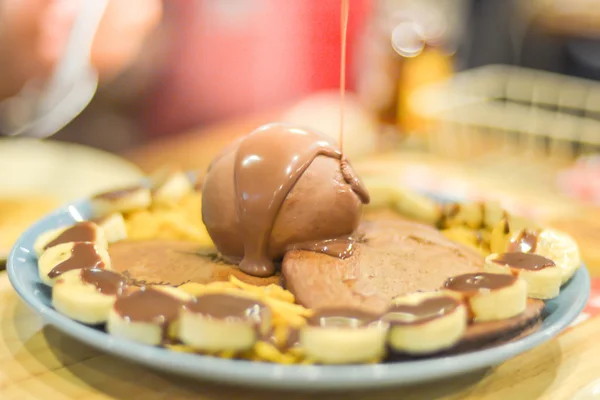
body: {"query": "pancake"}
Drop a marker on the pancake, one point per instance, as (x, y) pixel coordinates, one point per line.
(391, 258)
(174, 262)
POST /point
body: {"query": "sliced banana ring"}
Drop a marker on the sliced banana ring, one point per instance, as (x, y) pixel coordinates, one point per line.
(122, 200)
(149, 315)
(542, 275)
(490, 296)
(560, 248)
(216, 322)
(86, 231)
(69, 256)
(424, 323)
(87, 295)
(344, 336)
(169, 186)
(113, 226)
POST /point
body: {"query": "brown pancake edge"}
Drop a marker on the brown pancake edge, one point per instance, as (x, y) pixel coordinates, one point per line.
(175, 262)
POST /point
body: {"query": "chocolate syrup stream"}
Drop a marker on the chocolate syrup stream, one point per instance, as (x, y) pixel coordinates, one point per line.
(344, 34)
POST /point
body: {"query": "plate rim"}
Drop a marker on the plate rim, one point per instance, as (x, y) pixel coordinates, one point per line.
(268, 375)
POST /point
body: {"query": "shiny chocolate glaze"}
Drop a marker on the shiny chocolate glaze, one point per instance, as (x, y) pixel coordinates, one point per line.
(149, 305)
(342, 318)
(83, 255)
(472, 283)
(105, 281)
(528, 261)
(524, 242)
(427, 310)
(79, 232)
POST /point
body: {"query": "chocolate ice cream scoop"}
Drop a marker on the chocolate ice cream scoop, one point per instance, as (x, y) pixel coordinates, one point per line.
(279, 187)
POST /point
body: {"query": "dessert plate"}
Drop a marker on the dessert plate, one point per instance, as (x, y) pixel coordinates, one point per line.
(22, 270)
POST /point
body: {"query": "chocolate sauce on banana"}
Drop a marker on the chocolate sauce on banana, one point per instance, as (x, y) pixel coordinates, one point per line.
(338, 247)
(114, 195)
(528, 261)
(524, 242)
(342, 318)
(83, 255)
(232, 308)
(475, 282)
(427, 310)
(105, 281)
(268, 163)
(80, 232)
(149, 305)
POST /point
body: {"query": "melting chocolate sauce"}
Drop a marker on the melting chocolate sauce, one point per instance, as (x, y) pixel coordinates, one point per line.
(525, 242)
(225, 306)
(267, 165)
(528, 261)
(106, 282)
(338, 247)
(427, 310)
(342, 318)
(80, 232)
(83, 255)
(117, 194)
(148, 305)
(474, 282)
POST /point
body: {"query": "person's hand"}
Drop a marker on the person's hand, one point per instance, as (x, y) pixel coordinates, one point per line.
(33, 35)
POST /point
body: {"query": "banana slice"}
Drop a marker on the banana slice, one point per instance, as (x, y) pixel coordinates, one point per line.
(542, 275)
(424, 323)
(500, 236)
(87, 295)
(122, 200)
(408, 203)
(69, 256)
(114, 227)
(468, 215)
(86, 231)
(522, 240)
(148, 315)
(493, 213)
(215, 322)
(344, 336)
(560, 248)
(169, 187)
(464, 235)
(489, 296)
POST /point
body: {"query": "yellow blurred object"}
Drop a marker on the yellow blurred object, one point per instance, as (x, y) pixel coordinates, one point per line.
(18, 212)
(182, 221)
(430, 66)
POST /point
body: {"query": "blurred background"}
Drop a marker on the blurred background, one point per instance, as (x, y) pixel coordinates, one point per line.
(478, 99)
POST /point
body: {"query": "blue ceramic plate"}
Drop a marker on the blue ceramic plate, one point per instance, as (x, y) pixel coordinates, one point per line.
(22, 270)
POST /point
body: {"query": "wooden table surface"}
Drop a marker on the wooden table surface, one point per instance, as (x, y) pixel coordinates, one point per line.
(39, 362)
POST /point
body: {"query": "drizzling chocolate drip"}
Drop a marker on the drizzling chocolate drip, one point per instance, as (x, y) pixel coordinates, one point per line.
(268, 163)
(148, 305)
(528, 261)
(106, 282)
(342, 318)
(339, 247)
(80, 232)
(117, 194)
(525, 242)
(475, 282)
(83, 255)
(426, 310)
